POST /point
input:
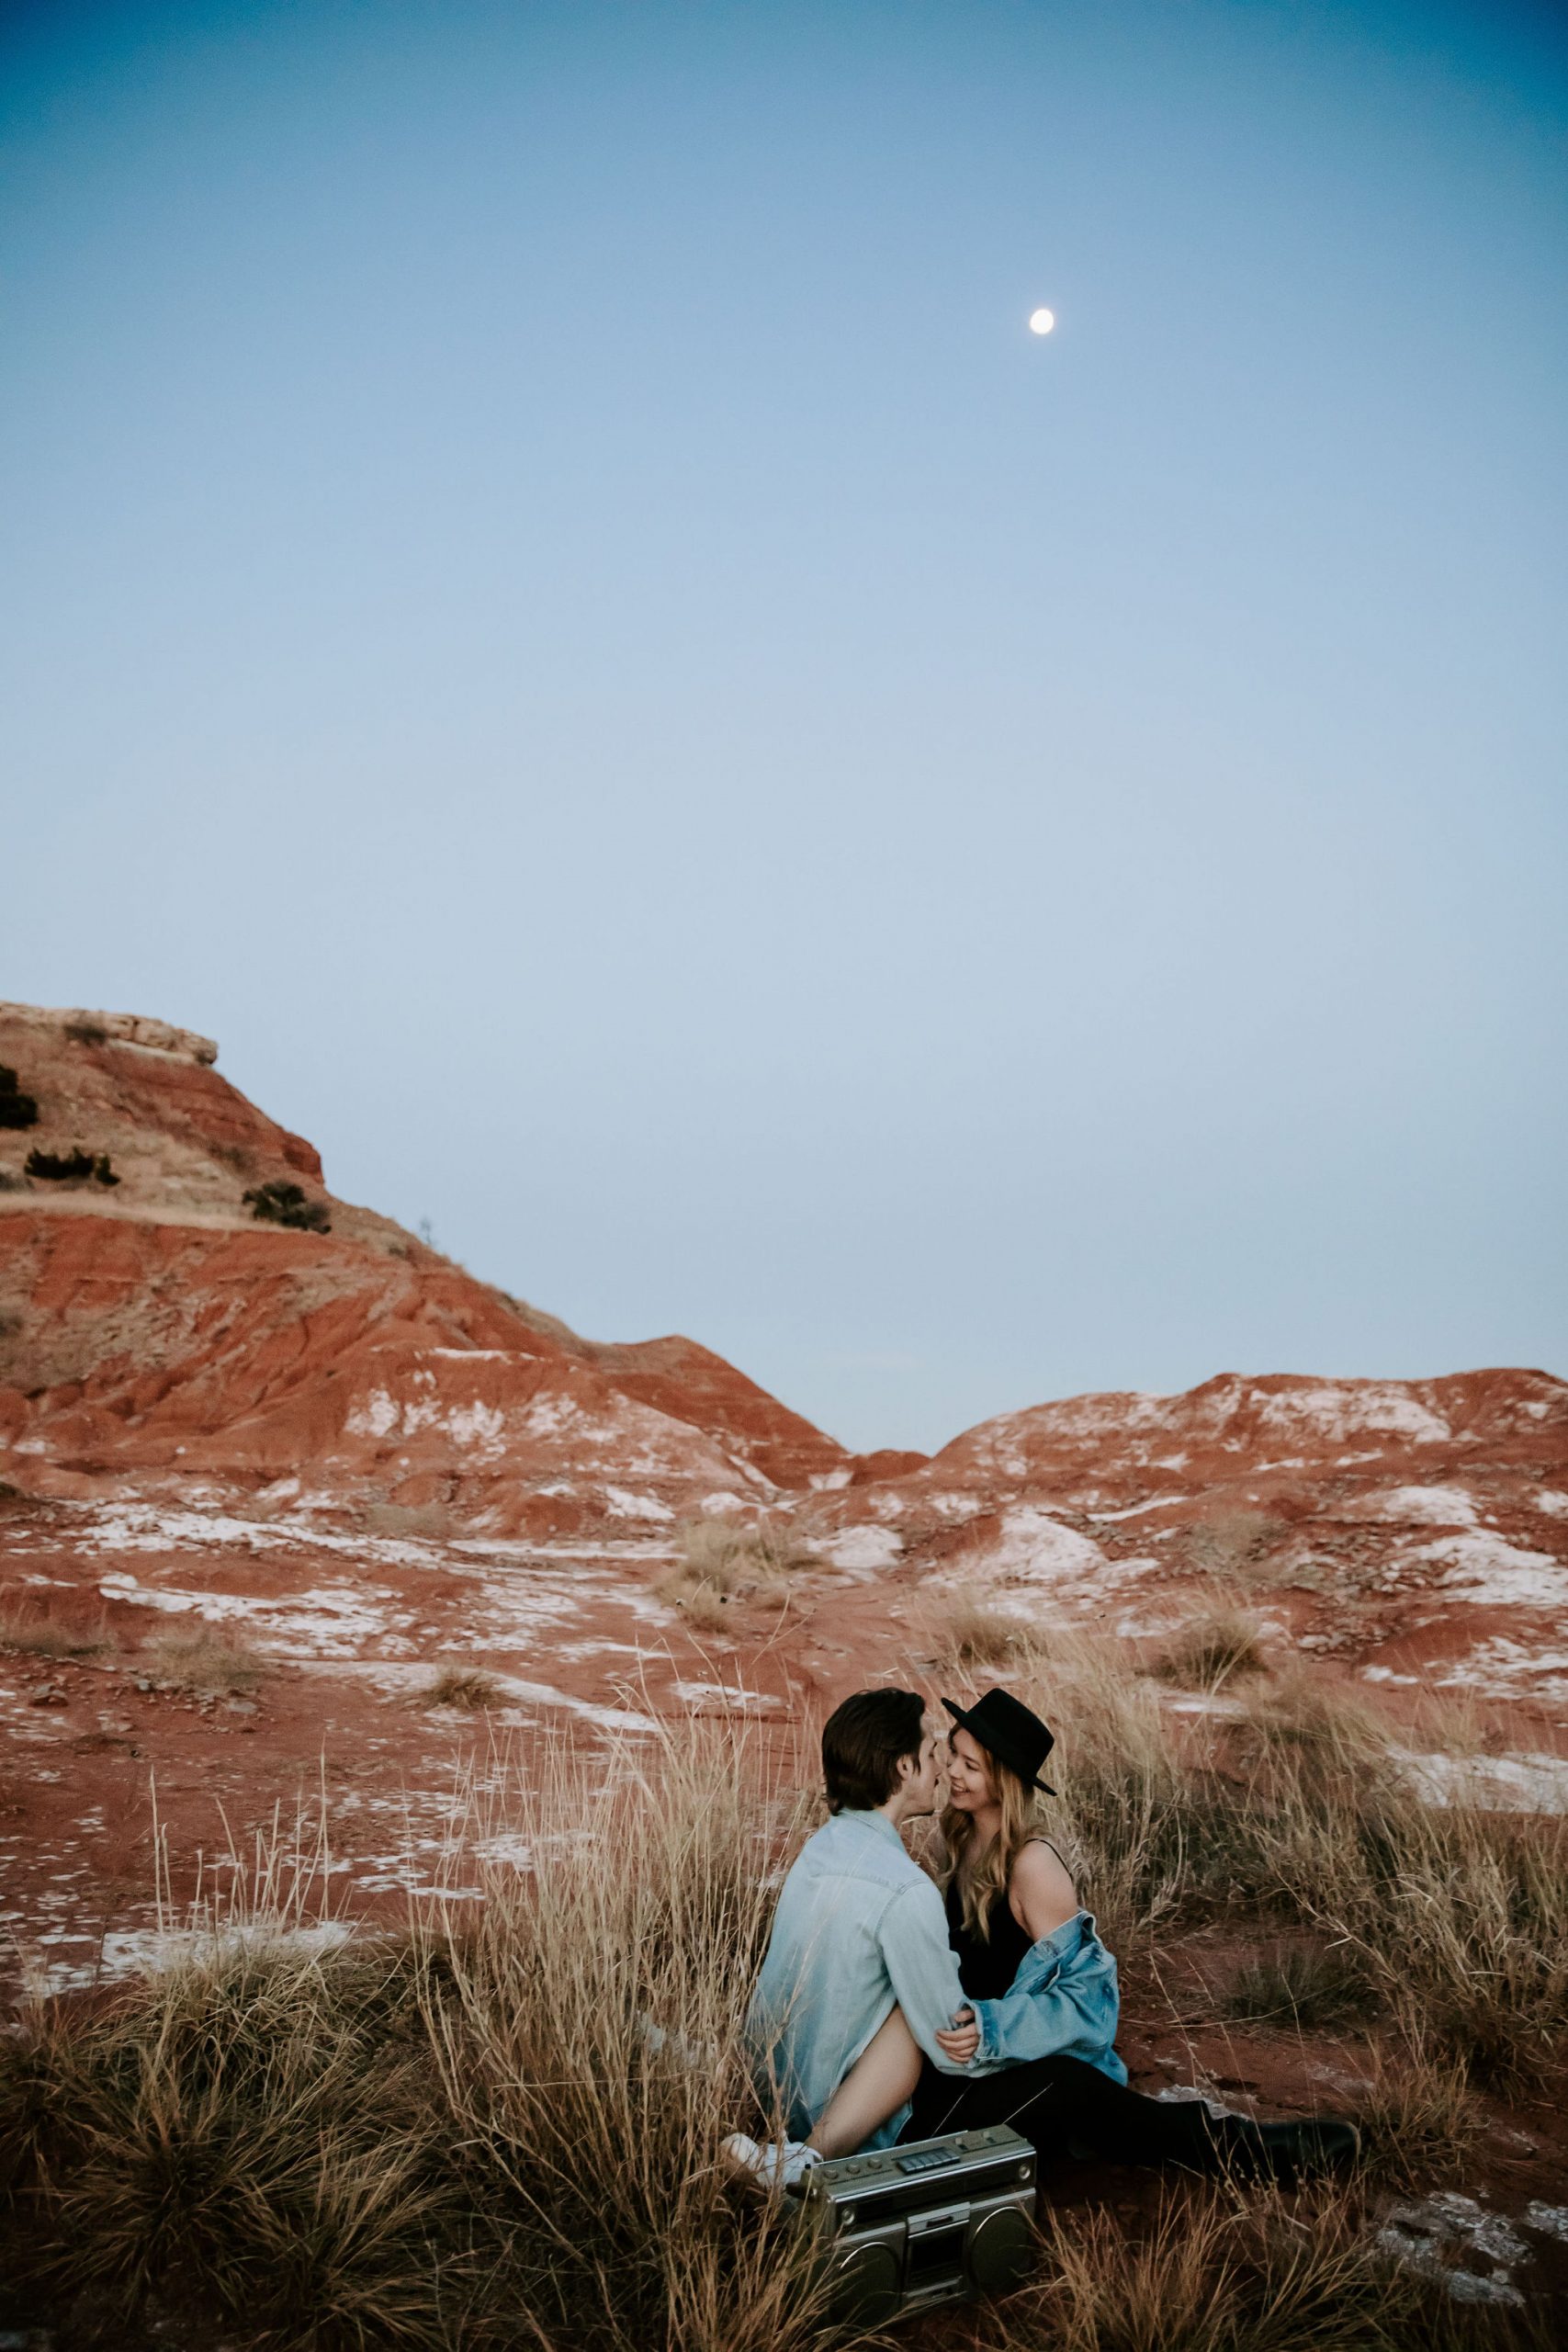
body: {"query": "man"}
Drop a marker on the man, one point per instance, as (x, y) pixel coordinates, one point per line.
(860, 1930)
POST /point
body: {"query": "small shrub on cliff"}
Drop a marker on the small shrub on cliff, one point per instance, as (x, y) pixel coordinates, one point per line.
(283, 1203)
(72, 1167)
(16, 1109)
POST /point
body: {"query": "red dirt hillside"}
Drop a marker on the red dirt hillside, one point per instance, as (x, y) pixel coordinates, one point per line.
(155, 1335)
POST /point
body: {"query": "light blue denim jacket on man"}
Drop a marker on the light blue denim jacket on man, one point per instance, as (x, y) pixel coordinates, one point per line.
(858, 1928)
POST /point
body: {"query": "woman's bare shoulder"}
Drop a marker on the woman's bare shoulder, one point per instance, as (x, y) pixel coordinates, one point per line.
(1040, 1890)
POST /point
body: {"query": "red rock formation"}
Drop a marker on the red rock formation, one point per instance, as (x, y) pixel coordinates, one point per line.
(155, 1333)
(1419, 1528)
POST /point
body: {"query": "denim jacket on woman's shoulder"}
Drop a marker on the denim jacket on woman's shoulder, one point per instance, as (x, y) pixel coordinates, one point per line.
(1063, 2003)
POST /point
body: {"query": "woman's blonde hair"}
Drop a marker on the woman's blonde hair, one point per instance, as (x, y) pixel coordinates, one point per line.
(1022, 1823)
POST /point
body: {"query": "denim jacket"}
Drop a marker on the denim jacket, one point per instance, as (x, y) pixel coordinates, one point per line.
(1062, 2004)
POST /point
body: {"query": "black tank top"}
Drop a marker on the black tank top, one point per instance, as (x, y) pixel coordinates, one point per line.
(986, 1970)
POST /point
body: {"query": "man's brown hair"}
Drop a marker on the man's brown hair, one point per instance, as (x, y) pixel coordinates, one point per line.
(862, 1743)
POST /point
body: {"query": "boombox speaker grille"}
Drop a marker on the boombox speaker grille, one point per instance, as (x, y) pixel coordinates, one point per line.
(867, 2285)
(997, 2257)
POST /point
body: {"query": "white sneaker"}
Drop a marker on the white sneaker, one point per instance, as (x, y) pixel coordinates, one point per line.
(781, 2164)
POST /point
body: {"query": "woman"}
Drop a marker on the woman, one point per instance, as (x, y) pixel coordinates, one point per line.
(1045, 1997)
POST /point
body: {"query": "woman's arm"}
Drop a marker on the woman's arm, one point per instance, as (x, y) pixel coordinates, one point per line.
(1041, 1896)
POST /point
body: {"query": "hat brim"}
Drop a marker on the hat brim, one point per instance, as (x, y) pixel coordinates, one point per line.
(962, 1716)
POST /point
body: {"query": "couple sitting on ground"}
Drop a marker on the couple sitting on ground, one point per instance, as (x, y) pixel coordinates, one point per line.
(885, 2012)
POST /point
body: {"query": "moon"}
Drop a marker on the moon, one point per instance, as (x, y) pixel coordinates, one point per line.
(1041, 321)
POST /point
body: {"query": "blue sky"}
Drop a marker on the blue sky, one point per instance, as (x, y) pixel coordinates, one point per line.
(558, 611)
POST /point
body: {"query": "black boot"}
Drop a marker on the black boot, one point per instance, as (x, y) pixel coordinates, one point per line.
(1283, 2152)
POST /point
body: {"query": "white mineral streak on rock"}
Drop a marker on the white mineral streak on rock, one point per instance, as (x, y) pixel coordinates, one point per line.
(731, 1696)
(506, 1850)
(864, 1547)
(1135, 1510)
(143, 1527)
(542, 1694)
(1031, 1547)
(1429, 2236)
(621, 1504)
(326, 1622)
(1534, 1782)
(1483, 1567)
(1421, 1507)
(1344, 1411)
(548, 1416)
(955, 1509)
(1500, 1668)
(144, 1952)
(378, 1417)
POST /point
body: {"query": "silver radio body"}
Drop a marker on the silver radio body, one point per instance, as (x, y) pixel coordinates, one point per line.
(928, 2223)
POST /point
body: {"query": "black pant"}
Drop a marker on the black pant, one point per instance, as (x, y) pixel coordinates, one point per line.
(1067, 2108)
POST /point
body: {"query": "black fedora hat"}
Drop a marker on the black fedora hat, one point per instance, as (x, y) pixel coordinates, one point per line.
(1010, 1732)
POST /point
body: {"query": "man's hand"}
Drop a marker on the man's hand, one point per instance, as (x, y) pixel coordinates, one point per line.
(961, 2038)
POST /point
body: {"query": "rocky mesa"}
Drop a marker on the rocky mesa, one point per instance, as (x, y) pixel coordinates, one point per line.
(284, 1492)
(186, 1309)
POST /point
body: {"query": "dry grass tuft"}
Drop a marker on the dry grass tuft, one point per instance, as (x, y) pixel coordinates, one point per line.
(41, 1636)
(972, 1630)
(1302, 1984)
(1211, 2274)
(1213, 1649)
(721, 1565)
(458, 1686)
(498, 2130)
(1419, 2120)
(204, 1664)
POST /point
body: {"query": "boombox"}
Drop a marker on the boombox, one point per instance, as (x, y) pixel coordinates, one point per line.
(928, 2223)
